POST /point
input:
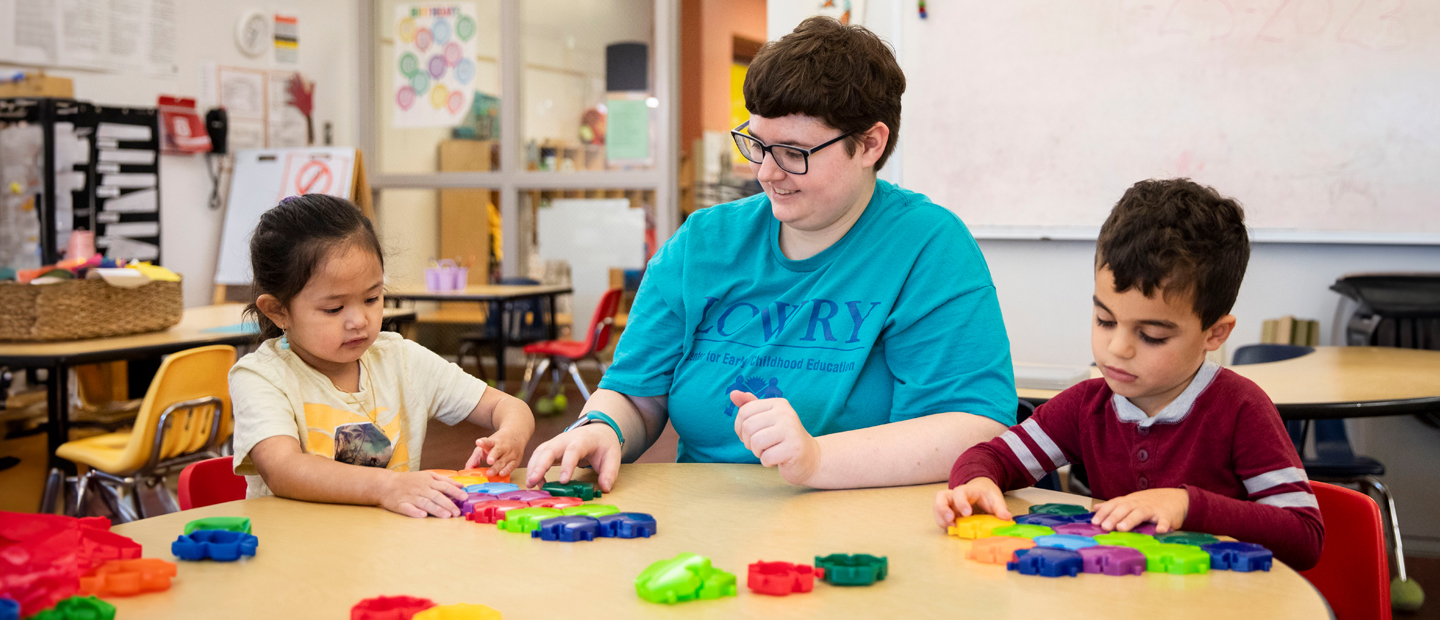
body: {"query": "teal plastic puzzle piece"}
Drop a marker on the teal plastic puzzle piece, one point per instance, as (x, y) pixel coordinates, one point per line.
(853, 570)
(1197, 539)
(1023, 531)
(685, 577)
(229, 524)
(526, 520)
(590, 510)
(1176, 559)
(1060, 510)
(574, 488)
(1126, 539)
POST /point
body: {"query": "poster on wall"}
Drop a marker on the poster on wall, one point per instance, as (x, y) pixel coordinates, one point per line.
(434, 64)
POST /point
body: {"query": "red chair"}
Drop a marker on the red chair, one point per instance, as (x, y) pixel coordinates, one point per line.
(209, 482)
(555, 354)
(1353, 574)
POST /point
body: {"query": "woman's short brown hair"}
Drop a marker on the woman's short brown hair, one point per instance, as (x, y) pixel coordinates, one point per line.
(843, 75)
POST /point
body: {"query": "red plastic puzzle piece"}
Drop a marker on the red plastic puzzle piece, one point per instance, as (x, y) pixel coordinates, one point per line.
(556, 502)
(389, 608)
(128, 577)
(43, 556)
(782, 578)
(494, 511)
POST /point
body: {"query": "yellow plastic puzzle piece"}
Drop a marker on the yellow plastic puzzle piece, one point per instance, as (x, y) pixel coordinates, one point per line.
(976, 526)
(469, 480)
(458, 611)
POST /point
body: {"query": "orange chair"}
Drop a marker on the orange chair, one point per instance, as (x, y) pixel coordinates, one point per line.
(1353, 574)
(210, 482)
(564, 353)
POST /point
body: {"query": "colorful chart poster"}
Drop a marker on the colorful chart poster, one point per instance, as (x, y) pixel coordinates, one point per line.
(435, 49)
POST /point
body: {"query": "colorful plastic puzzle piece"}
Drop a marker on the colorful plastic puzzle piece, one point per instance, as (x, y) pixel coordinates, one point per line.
(494, 511)
(389, 608)
(1063, 510)
(469, 480)
(591, 510)
(229, 524)
(1046, 562)
(780, 578)
(1113, 561)
(1144, 528)
(555, 502)
(1083, 517)
(525, 520)
(78, 608)
(627, 525)
(1065, 541)
(685, 577)
(1049, 521)
(493, 488)
(1022, 530)
(467, 505)
(497, 477)
(1126, 539)
(976, 526)
(1240, 557)
(524, 495)
(839, 569)
(128, 577)
(1176, 559)
(9, 609)
(448, 473)
(1079, 529)
(574, 488)
(458, 611)
(218, 545)
(997, 549)
(475, 471)
(1198, 539)
(567, 529)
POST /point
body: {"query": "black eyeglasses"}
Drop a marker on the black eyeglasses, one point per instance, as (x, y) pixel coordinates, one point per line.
(791, 159)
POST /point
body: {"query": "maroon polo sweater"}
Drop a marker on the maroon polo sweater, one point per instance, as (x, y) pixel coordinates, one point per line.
(1221, 440)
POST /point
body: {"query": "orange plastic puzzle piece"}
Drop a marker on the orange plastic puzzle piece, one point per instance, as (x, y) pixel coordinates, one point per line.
(997, 549)
(128, 577)
(474, 471)
(976, 526)
(444, 472)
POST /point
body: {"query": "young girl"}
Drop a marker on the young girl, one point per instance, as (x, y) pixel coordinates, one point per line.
(326, 382)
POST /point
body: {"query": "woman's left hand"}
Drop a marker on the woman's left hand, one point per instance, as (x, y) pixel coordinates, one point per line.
(772, 430)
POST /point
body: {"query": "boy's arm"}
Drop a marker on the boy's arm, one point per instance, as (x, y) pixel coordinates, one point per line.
(1022, 455)
(292, 473)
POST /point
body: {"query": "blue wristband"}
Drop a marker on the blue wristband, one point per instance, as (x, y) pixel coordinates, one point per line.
(599, 416)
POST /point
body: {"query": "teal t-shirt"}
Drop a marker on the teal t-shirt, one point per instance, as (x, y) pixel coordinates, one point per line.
(896, 320)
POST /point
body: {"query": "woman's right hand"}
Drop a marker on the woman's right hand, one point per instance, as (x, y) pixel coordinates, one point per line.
(420, 493)
(596, 443)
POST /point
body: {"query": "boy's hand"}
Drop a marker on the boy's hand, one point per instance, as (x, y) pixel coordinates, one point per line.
(772, 430)
(596, 443)
(1166, 507)
(501, 451)
(420, 493)
(980, 492)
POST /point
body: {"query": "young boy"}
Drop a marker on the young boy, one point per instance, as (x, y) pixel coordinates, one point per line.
(1166, 436)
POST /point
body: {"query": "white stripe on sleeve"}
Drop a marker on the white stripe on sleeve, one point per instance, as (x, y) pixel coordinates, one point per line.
(1051, 450)
(1288, 475)
(1023, 453)
(1298, 499)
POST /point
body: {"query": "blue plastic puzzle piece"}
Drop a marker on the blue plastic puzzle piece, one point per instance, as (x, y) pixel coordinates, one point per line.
(1047, 562)
(493, 488)
(1042, 520)
(218, 545)
(1239, 556)
(1083, 517)
(627, 525)
(567, 529)
(1065, 541)
(9, 609)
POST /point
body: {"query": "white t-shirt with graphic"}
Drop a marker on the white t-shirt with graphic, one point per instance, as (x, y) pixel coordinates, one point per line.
(402, 386)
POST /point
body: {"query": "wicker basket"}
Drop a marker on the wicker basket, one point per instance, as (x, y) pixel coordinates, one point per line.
(81, 309)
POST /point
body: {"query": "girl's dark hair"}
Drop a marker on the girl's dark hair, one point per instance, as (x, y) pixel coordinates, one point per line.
(291, 240)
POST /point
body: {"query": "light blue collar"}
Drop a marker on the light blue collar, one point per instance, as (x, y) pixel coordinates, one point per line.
(1174, 412)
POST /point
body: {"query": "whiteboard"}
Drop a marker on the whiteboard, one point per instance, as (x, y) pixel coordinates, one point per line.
(593, 235)
(1322, 117)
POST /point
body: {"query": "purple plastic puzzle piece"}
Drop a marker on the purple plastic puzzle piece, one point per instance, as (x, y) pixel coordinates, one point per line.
(567, 529)
(1042, 520)
(1113, 561)
(1145, 528)
(627, 525)
(1047, 562)
(1239, 556)
(524, 495)
(1080, 518)
(468, 505)
(1079, 529)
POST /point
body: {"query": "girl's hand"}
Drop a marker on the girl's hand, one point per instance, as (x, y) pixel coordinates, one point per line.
(772, 430)
(595, 442)
(420, 493)
(980, 493)
(1166, 507)
(501, 451)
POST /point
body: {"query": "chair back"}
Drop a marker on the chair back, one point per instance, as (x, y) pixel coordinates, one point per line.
(1353, 574)
(603, 321)
(1264, 353)
(210, 482)
(186, 410)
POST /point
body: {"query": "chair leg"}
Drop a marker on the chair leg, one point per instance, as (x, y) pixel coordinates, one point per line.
(125, 512)
(575, 374)
(54, 491)
(1388, 507)
(162, 491)
(82, 485)
(527, 390)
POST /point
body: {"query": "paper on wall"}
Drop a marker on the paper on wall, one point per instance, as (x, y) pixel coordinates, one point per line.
(433, 70)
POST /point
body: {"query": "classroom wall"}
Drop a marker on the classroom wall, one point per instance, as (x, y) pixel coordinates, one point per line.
(723, 20)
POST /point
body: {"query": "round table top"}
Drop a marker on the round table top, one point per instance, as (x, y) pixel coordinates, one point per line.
(317, 560)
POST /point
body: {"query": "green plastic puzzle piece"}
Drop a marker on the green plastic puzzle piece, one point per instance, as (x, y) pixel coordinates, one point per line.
(1023, 531)
(526, 520)
(1063, 510)
(685, 577)
(78, 608)
(1187, 538)
(1126, 539)
(575, 488)
(1176, 559)
(853, 570)
(229, 524)
(590, 510)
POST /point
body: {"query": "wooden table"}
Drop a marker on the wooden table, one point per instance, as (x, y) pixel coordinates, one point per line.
(1338, 382)
(497, 294)
(316, 561)
(198, 327)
